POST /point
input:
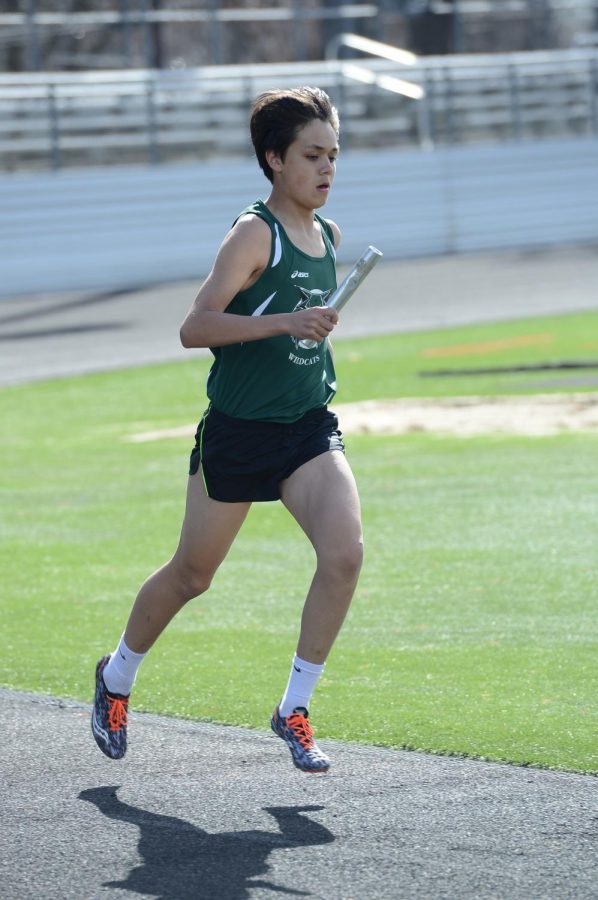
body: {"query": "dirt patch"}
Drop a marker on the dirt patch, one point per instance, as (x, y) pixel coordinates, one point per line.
(542, 414)
(464, 416)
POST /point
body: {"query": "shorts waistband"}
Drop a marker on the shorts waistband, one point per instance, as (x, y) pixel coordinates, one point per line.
(312, 415)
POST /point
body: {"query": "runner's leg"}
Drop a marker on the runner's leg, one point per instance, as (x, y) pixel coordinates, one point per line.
(209, 529)
(322, 496)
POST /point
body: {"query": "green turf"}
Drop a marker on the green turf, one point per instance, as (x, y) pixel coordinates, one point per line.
(392, 366)
(474, 628)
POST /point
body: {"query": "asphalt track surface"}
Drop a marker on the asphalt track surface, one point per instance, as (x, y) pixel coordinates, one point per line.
(48, 335)
(200, 811)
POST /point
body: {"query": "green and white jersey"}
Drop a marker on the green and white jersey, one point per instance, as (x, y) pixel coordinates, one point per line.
(274, 379)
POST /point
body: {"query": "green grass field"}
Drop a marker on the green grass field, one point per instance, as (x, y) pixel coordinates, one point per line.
(474, 628)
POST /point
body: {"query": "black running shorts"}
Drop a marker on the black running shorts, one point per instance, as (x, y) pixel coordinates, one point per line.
(246, 459)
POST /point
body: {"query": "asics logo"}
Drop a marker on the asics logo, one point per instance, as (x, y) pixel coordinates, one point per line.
(298, 274)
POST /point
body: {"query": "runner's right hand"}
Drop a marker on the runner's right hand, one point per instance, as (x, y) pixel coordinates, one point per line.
(313, 324)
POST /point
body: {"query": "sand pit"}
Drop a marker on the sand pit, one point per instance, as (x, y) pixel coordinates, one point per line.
(535, 415)
(465, 416)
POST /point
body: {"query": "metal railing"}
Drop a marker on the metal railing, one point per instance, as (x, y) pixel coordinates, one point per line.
(384, 82)
(135, 116)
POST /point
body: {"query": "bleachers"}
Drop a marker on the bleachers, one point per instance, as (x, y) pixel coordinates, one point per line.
(134, 116)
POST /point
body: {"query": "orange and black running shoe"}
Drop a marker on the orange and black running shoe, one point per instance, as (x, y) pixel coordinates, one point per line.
(298, 734)
(109, 717)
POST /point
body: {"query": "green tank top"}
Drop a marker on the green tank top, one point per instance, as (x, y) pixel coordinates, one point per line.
(274, 379)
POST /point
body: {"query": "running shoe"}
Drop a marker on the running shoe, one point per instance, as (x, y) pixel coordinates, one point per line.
(298, 734)
(109, 717)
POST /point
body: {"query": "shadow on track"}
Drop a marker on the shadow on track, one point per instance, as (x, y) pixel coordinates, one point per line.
(180, 860)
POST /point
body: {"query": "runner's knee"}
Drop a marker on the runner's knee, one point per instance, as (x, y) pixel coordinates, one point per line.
(342, 560)
(193, 580)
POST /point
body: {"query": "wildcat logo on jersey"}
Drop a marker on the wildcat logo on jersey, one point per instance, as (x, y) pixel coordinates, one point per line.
(309, 299)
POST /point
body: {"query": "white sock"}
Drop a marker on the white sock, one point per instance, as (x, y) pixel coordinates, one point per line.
(119, 674)
(302, 681)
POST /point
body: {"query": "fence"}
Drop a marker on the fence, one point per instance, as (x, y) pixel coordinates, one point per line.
(82, 119)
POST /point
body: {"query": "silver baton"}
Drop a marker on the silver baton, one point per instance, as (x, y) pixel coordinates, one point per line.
(345, 291)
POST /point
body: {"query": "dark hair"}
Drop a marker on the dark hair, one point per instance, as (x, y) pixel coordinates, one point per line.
(278, 115)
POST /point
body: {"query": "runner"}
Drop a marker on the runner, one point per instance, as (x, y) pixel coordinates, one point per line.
(267, 433)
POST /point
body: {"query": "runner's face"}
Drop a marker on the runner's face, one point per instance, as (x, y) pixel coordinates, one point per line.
(309, 166)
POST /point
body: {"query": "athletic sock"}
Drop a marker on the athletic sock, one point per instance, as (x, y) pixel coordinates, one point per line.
(302, 681)
(121, 669)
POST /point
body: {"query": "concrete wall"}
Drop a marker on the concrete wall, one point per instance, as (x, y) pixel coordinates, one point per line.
(118, 228)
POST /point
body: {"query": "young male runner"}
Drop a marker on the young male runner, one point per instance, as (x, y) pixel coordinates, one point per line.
(267, 433)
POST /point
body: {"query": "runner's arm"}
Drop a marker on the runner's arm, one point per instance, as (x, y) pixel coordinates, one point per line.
(242, 257)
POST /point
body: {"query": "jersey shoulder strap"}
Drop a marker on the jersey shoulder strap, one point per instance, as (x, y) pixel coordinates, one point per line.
(327, 234)
(259, 208)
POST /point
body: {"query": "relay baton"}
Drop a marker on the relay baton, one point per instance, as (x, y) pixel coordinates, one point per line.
(345, 291)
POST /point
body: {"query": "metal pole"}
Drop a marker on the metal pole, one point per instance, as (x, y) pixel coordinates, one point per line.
(215, 35)
(152, 121)
(458, 44)
(33, 54)
(156, 30)
(54, 128)
(340, 103)
(424, 117)
(514, 103)
(592, 90)
(126, 33)
(538, 24)
(449, 125)
(150, 55)
(299, 26)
